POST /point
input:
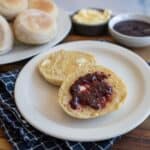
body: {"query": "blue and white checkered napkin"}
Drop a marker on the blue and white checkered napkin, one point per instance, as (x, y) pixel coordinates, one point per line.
(23, 136)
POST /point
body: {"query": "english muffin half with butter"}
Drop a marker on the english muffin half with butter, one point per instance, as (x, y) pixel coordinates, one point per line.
(11, 8)
(58, 65)
(33, 26)
(91, 92)
(47, 6)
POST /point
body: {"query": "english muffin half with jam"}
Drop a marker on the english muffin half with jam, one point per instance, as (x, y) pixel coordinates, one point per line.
(91, 92)
(58, 65)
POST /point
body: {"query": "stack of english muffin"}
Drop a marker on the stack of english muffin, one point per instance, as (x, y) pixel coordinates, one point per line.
(33, 22)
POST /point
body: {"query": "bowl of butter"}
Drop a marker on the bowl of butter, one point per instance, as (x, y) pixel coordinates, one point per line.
(91, 21)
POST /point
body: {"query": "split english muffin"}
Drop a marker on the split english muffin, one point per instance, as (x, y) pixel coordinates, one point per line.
(91, 91)
(33, 26)
(45, 5)
(58, 65)
(11, 8)
(6, 36)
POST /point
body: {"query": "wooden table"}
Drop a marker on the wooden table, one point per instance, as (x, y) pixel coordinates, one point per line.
(138, 139)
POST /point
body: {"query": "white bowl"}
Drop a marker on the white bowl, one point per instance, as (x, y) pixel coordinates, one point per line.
(130, 41)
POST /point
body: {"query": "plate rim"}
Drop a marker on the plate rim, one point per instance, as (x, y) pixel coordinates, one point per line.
(145, 115)
(55, 43)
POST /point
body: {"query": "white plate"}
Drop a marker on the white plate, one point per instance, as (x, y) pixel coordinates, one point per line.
(21, 51)
(37, 100)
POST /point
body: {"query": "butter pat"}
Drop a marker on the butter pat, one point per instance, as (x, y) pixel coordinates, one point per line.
(92, 16)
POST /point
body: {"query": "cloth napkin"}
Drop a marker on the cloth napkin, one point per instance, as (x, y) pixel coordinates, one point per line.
(22, 135)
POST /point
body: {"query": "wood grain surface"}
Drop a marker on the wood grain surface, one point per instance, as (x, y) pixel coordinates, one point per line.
(137, 139)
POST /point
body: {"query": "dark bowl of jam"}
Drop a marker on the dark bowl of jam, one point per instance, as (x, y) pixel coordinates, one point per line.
(131, 30)
(90, 25)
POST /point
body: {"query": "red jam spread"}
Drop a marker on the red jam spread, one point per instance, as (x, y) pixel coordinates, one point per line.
(133, 28)
(91, 90)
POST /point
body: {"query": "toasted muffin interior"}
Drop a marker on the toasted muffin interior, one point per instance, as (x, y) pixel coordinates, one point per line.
(58, 65)
(79, 100)
(86, 89)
